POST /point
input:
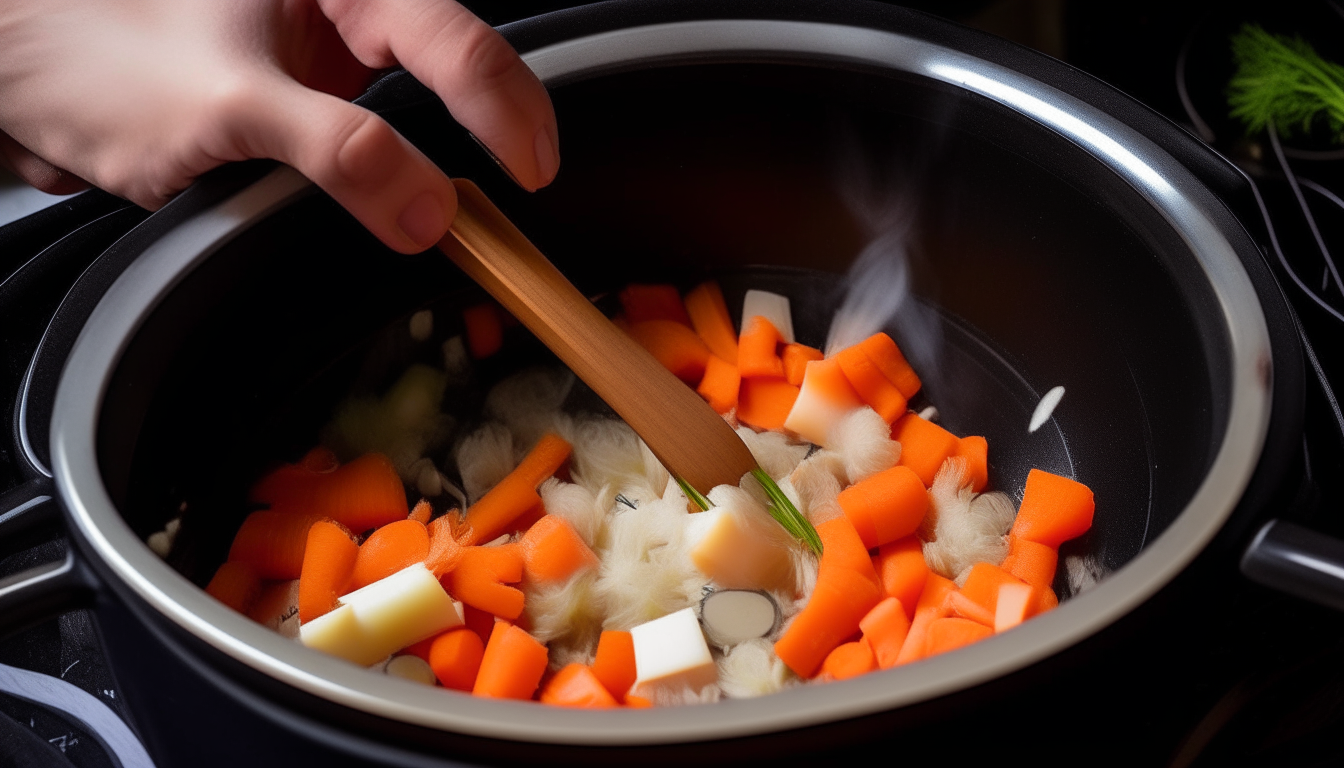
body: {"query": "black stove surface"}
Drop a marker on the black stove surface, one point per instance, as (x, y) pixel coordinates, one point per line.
(1261, 682)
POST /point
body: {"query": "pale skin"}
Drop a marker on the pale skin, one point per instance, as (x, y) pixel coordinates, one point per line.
(140, 97)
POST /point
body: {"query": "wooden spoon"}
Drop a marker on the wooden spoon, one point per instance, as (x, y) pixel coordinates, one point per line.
(688, 437)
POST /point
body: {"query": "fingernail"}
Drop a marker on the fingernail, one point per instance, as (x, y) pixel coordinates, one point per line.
(422, 220)
(548, 155)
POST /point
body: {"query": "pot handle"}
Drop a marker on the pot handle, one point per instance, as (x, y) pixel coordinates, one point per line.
(45, 591)
(1298, 561)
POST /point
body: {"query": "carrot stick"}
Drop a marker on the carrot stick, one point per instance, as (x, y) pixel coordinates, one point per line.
(758, 350)
(614, 664)
(553, 551)
(484, 329)
(765, 403)
(932, 605)
(236, 585)
(795, 358)
(842, 547)
(709, 317)
(422, 511)
(388, 550)
(924, 445)
(512, 665)
(653, 302)
(871, 385)
(1014, 605)
(674, 346)
(884, 629)
(516, 494)
(360, 495)
(480, 577)
(960, 605)
(952, 633)
(1047, 600)
(272, 542)
(841, 599)
(1054, 509)
(887, 506)
(328, 563)
(983, 582)
(825, 397)
(1031, 562)
(975, 450)
(422, 647)
(888, 358)
(902, 570)
(455, 656)
(720, 385)
(849, 660)
(575, 685)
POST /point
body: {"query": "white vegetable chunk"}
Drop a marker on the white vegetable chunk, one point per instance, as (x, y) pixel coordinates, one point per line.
(377, 620)
(772, 307)
(737, 544)
(817, 408)
(671, 653)
(410, 667)
(732, 616)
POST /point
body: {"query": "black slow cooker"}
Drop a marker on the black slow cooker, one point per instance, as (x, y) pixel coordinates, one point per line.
(1059, 234)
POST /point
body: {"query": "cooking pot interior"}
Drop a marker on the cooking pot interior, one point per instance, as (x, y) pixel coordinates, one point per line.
(1033, 266)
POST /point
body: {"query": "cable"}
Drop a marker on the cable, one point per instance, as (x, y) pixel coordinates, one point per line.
(1302, 204)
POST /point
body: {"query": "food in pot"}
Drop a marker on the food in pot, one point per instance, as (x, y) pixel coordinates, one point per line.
(578, 573)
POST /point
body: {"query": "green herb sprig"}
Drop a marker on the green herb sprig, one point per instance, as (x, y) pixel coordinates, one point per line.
(786, 514)
(1284, 82)
(693, 495)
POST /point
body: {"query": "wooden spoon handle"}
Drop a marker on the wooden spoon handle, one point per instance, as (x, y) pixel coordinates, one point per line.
(686, 435)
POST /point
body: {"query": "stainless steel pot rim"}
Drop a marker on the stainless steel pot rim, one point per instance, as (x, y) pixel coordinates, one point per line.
(1168, 186)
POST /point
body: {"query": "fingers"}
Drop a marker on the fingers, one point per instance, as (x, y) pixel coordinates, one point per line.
(486, 86)
(36, 171)
(352, 154)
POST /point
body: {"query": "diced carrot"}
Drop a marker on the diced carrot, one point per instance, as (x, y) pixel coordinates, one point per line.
(328, 562)
(765, 403)
(720, 385)
(422, 648)
(924, 445)
(886, 506)
(841, 598)
(512, 665)
(1014, 605)
(516, 494)
(888, 358)
(975, 450)
(638, 702)
(884, 629)
(872, 387)
(614, 664)
(1045, 601)
(236, 585)
(795, 358)
(1054, 509)
(825, 397)
(553, 551)
(958, 604)
(422, 511)
(983, 582)
(710, 318)
(479, 579)
(932, 605)
(952, 633)
(292, 486)
(653, 302)
(272, 542)
(484, 329)
(388, 550)
(360, 495)
(526, 520)
(758, 350)
(1031, 562)
(902, 570)
(674, 346)
(842, 547)
(849, 660)
(455, 656)
(575, 685)
(444, 550)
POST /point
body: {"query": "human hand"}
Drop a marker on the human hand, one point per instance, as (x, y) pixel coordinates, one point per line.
(139, 97)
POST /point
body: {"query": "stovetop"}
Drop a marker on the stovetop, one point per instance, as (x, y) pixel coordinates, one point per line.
(1269, 688)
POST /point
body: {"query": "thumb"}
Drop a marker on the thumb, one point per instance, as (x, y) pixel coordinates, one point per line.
(353, 155)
